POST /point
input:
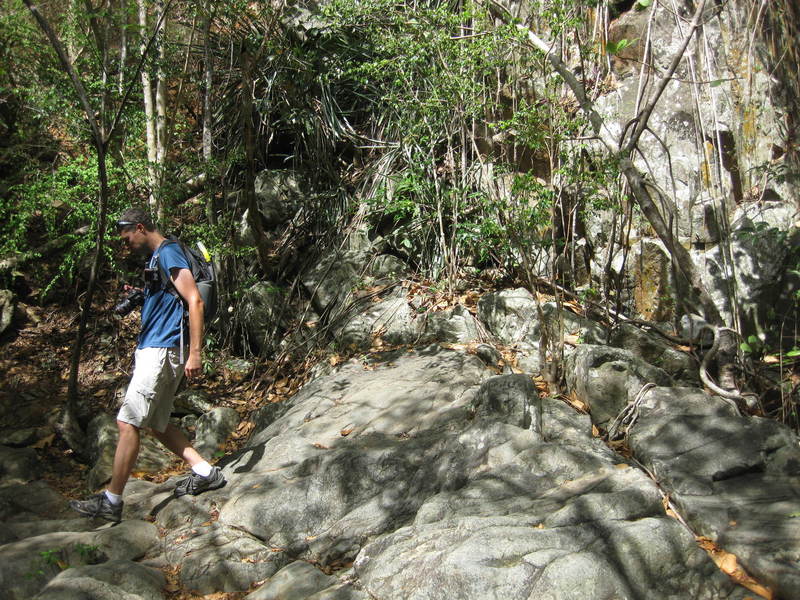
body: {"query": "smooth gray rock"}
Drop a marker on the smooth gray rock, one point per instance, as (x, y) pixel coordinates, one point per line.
(262, 307)
(296, 581)
(113, 580)
(32, 501)
(488, 354)
(393, 320)
(26, 529)
(193, 400)
(386, 266)
(6, 309)
(606, 379)
(332, 279)
(736, 479)
(27, 565)
(341, 591)
(456, 325)
(512, 399)
(658, 352)
(278, 195)
(511, 557)
(18, 465)
(509, 314)
(213, 428)
(566, 321)
(216, 558)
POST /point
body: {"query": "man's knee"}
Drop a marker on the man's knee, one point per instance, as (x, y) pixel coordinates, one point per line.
(126, 429)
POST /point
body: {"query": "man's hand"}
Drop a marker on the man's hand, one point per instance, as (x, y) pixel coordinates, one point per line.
(194, 366)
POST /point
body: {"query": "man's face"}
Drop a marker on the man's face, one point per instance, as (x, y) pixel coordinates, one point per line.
(135, 238)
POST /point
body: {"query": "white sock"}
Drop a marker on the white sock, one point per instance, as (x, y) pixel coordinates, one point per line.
(113, 498)
(203, 469)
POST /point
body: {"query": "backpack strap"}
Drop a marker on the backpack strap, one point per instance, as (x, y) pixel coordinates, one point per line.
(169, 287)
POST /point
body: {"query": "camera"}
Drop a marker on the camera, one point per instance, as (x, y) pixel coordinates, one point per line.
(133, 299)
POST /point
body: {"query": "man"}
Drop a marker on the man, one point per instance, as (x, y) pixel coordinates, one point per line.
(159, 367)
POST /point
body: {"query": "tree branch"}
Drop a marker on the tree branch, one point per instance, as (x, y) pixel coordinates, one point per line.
(67, 66)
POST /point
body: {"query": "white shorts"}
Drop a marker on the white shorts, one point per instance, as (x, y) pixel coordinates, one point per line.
(151, 392)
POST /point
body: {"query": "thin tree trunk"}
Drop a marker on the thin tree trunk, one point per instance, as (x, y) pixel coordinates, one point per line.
(208, 82)
(253, 213)
(161, 108)
(123, 45)
(149, 112)
(68, 426)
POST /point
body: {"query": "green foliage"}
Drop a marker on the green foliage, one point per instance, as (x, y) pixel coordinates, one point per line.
(60, 204)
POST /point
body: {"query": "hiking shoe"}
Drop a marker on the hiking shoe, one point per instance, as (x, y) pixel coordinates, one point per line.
(197, 484)
(98, 505)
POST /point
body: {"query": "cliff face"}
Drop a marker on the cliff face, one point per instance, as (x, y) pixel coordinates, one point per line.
(717, 156)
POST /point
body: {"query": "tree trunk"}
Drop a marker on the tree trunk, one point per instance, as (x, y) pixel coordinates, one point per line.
(161, 109)
(208, 123)
(68, 426)
(253, 213)
(149, 112)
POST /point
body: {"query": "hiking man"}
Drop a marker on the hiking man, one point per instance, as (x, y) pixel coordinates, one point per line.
(161, 362)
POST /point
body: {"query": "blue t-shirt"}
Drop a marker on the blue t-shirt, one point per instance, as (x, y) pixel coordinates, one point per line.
(162, 311)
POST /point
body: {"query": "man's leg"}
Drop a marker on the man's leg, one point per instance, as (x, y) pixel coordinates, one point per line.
(108, 504)
(124, 457)
(174, 439)
(204, 477)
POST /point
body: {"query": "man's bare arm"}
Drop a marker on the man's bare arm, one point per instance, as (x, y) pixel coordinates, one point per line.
(187, 288)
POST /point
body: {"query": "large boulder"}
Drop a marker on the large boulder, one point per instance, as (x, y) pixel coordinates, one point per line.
(751, 274)
(393, 320)
(509, 314)
(113, 580)
(216, 558)
(213, 428)
(735, 479)
(296, 581)
(262, 313)
(455, 325)
(6, 309)
(657, 351)
(332, 279)
(27, 565)
(606, 379)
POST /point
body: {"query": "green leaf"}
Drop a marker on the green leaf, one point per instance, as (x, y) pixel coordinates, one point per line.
(746, 347)
(793, 353)
(616, 47)
(753, 340)
(716, 82)
(642, 4)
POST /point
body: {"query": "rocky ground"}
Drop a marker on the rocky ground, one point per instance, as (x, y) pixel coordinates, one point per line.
(441, 468)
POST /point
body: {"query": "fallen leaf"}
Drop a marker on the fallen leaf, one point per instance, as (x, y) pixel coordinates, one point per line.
(347, 430)
(320, 446)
